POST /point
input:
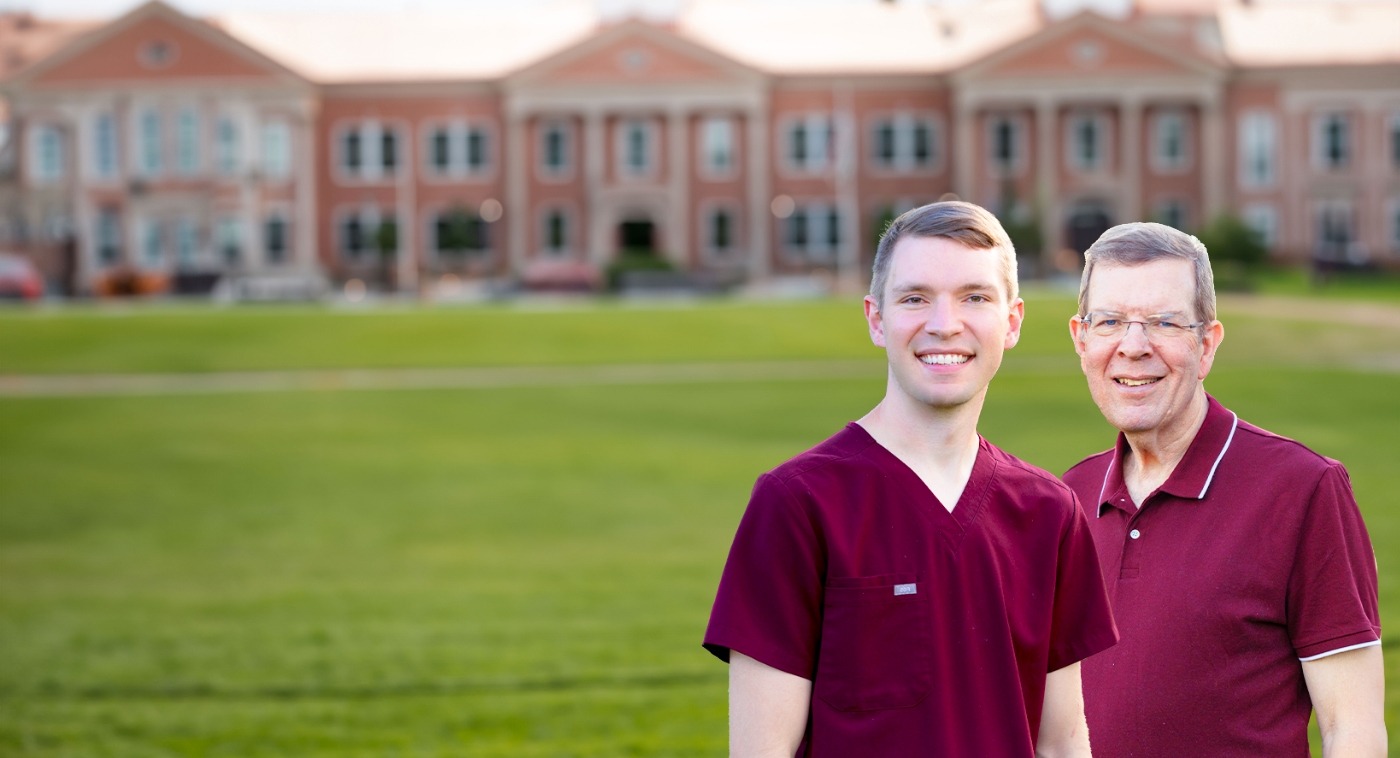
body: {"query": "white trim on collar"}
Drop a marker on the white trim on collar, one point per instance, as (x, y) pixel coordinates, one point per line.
(1234, 424)
(1111, 460)
(1372, 643)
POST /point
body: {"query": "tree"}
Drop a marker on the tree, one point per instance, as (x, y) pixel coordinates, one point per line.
(1235, 251)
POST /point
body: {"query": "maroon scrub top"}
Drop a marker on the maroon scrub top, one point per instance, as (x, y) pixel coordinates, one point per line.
(1250, 557)
(924, 632)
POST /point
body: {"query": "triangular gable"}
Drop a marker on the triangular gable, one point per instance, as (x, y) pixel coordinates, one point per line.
(633, 53)
(154, 43)
(1088, 45)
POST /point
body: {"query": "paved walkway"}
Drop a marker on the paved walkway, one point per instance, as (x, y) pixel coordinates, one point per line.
(1377, 315)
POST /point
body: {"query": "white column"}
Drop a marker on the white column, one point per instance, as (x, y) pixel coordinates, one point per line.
(594, 128)
(964, 147)
(1047, 161)
(756, 167)
(1212, 157)
(848, 274)
(304, 145)
(517, 189)
(678, 171)
(407, 211)
(1130, 118)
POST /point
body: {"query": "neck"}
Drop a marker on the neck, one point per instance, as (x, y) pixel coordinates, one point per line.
(941, 437)
(1155, 452)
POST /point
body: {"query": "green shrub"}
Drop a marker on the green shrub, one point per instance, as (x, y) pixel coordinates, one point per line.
(1235, 251)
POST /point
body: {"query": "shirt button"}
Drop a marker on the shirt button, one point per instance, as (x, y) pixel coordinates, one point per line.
(1134, 534)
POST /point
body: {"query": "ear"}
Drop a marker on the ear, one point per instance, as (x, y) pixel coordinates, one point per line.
(1210, 342)
(874, 321)
(1076, 334)
(1015, 317)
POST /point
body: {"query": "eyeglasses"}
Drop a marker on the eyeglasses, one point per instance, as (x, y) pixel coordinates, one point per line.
(1157, 329)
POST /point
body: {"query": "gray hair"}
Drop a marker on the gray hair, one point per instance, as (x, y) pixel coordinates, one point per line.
(967, 224)
(1142, 242)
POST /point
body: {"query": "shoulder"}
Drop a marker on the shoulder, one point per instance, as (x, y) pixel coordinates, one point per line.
(1281, 456)
(1031, 485)
(1089, 470)
(838, 452)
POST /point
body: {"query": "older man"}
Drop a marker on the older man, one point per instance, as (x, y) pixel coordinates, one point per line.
(1240, 572)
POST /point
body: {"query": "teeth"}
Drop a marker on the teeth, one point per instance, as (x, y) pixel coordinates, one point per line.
(943, 359)
(1135, 382)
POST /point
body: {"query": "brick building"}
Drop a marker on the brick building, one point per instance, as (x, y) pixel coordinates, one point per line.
(740, 141)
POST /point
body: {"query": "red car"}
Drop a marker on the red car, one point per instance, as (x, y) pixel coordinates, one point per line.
(19, 279)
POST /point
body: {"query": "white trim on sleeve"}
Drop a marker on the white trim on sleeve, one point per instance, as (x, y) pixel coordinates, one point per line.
(1372, 643)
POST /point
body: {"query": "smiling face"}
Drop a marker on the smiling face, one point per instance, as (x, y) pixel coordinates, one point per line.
(1139, 385)
(945, 322)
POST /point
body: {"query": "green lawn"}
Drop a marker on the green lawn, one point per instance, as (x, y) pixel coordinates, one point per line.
(514, 572)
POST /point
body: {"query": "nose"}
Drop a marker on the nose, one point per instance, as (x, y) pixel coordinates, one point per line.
(1135, 343)
(944, 321)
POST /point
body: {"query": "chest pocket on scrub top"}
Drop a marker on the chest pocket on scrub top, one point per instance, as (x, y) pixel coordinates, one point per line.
(875, 640)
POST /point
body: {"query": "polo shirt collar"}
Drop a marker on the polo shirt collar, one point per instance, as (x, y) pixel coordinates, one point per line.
(1191, 478)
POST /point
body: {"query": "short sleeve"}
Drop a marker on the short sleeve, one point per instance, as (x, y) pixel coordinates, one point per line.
(769, 602)
(1332, 595)
(1083, 621)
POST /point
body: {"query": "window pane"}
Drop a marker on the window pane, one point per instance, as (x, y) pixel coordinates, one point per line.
(108, 236)
(833, 228)
(797, 143)
(277, 149)
(388, 154)
(476, 149)
(151, 244)
(353, 157)
(228, 146)
(636, 148)
(884, 143)
(442, 157)
(923, 143)
(719, 144)
(797, 229)
(276, 239)
(105, 149)
(230, 241)
(720, 231)
(554, 155)
(187, 141)
(150, 142)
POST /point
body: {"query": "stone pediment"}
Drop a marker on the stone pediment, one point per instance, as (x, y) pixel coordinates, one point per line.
(153, 44)
(634, 53)
(1088, 46)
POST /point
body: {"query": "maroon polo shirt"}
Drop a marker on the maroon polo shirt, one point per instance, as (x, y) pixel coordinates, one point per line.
(924, 632)
(1250, 557)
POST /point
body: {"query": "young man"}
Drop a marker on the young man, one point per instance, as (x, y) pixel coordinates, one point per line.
(1242, 578)
(905, 588)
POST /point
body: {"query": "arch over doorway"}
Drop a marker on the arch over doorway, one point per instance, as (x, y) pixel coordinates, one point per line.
(1087, 221)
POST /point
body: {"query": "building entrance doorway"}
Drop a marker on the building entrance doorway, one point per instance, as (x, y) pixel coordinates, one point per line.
(637, 235)
(1086, 224)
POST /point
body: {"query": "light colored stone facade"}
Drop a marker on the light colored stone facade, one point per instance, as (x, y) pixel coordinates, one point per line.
(739, 145)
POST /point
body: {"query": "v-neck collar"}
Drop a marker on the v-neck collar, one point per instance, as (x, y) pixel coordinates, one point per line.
(971, 502)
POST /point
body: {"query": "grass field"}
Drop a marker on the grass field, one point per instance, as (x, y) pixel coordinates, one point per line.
(522, 572)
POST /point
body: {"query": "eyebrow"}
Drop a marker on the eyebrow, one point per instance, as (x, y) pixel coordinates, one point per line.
(904, 289)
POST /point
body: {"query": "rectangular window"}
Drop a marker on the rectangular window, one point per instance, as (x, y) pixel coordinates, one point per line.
(352, 152)
(556, 232)
(1169, 135)
(229, 240)
(1258, 149)
(152, 244)
(719, 231)
(554, 148)
(476, 150)
(460, 231)
(388, 150)
(441, 142)
(1004, 141)
(109, 236)
(1393, 141)
(717, 138)
(226, 146)
(1332, 140)
(814, 231)
(276, 150)
(104, 147)
(1087, 137)
(903, 143)
(1172, 213)
(810, 143)
(1262, 219)
(187, 141)
(1335, 232)
(636, 148)
(48, 153)
(186, 242)
(150, 145)
(275, 238)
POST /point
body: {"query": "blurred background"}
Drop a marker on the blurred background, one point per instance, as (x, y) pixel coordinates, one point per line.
(388, 379)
